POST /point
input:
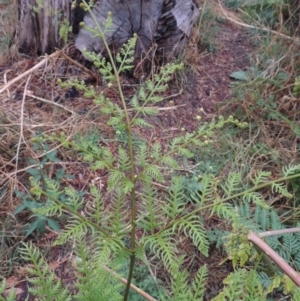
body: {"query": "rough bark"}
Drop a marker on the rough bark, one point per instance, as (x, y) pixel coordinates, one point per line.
(163, 23)
(39, 21)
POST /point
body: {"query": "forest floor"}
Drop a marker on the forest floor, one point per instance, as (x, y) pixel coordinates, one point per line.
(198, 91)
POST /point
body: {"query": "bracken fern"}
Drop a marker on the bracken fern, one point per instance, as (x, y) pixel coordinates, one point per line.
(105, 230)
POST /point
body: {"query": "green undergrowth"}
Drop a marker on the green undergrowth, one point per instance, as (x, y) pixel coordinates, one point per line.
(241, 169)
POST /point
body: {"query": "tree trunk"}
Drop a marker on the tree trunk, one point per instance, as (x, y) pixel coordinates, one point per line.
(166, 24)
(39, 22)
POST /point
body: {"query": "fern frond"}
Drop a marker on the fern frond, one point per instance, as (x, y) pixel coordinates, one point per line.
(273, 242)
(127, 55)
(275, 221)
(115, 121)
(179, 287)
(156, 150)
(264, 219)
(232, 184)
(98, 164)
(154, 173)
(123, 160)
(76, 228)
(114, 178)
(150, 215)
(290, 170)
(170, 162)
(141, 155)
(95, 210)
(141, 123)
(290, 244)
(206, 193)
(175, 143)
(242, 283)
(194, 229)
(281, 188)
(46, 285)
(147, 111)
(224, 210)
(199, 283)
(256, 198)
(184, 152)
(164, 246)
(261, 177)
(12, 296)
(94, 282)
(73, 199)
(119, 216)
(106, 250)
(176, 198)
(50, 208)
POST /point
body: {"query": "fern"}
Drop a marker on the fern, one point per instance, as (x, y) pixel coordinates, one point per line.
(93, 281)
(11, 295)
(46, 286)
(193, 228)
(232, 185)
(151, 218)
(242, 283)
(175, 204)
(164, 246)
(180, 291)
(134, 215)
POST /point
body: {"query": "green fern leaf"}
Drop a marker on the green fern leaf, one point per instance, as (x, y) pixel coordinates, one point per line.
(141, 123)
(281, 188)
(193, 228)
(114, 177)
(290, 170)
(148, 111)
(256, 198)
(176, 198)
(98, 164)
(232, 185)
(12, 296)
(154, 173)
(261, 177)
(76, 228)
(170, 162)
(164, 246)
(199, 283)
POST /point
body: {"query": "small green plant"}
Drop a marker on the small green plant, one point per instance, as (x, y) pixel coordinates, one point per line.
(122, 225)
(39, 173)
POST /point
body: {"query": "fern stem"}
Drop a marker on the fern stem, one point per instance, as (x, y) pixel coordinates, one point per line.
(130, 149)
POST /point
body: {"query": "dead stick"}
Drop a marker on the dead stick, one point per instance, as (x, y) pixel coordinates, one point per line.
(92, 75)
(37, 66)
(278, 232)
(254, 238)
(135, 288)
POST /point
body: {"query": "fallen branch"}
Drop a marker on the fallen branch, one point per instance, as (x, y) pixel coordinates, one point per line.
(278, 232)
(37, 66)
(132, 286)
(287, 269)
